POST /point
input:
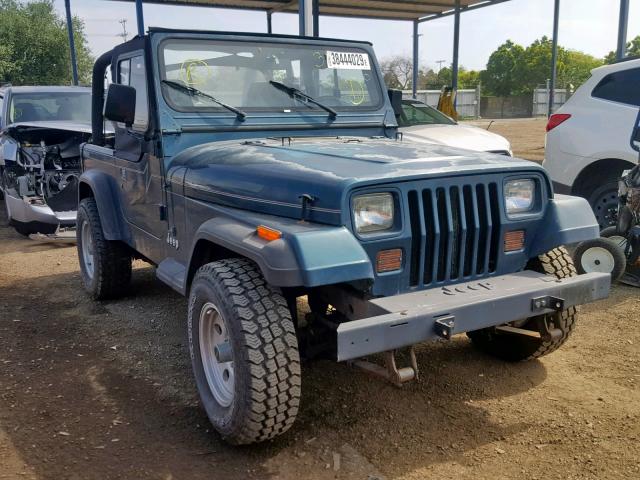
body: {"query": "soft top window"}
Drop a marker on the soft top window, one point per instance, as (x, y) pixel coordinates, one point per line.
(239, 74)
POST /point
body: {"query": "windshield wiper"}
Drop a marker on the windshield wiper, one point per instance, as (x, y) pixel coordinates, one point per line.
(303, 97)
(199, 93)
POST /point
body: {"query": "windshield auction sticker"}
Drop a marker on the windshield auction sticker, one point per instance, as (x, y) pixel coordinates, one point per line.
(348, 60)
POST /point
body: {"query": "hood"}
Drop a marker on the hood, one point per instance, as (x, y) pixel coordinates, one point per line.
(269, 177)
(68, 126)
(461, 136)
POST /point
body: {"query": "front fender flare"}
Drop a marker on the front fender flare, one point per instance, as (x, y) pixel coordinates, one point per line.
(107, 195)
(568, 220)
(309, 256)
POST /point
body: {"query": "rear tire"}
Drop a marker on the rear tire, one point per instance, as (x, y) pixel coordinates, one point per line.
(604, 202)
(514, 348)
(105, 265)
(244, 352)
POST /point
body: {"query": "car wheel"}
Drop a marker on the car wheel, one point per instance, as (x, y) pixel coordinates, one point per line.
(548, 332)
(105, 266)
(601, 255)
(244, 352)
(604, 202)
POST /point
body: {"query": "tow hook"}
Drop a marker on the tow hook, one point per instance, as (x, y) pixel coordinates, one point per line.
(390, 371)
(541, 303)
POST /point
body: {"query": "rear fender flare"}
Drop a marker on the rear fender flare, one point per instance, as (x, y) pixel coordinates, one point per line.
(106, 192)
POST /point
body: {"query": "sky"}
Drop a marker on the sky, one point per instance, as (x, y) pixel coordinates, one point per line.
(586, 25)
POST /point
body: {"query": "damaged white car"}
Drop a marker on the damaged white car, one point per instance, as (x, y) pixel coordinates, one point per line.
(41, 130)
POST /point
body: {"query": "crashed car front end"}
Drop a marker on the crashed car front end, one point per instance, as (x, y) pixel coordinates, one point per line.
(40, 175)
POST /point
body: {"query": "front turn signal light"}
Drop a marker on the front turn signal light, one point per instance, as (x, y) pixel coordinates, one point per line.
(514, 241)
(268, 234)
(389, 260)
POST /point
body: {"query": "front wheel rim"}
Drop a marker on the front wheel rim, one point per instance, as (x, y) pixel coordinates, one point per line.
(216, 353)
(597, 259)
(87, 249)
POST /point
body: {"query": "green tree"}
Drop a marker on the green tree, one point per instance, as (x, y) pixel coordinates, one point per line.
(577, 68)
(34, 47)
(514, 70)
(504, 74)
(468, 78)
(633, 50)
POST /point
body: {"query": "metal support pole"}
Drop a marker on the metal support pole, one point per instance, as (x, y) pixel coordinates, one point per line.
(414, 70)
(269, 26)
(305, 18)
(140, 17)
(72, 43)
(456, 49)
(554, 56)
(316, 18)
(623, 22)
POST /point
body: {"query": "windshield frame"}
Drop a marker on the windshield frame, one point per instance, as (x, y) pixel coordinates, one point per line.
(275, 41)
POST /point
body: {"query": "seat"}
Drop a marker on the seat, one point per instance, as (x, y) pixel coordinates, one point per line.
(65, 112)
(25, 112)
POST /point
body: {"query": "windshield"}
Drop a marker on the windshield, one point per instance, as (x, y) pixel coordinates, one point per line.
(47, 106)
(421, 114)
(239, 74)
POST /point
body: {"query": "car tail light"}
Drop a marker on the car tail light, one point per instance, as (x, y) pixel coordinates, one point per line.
(556, 119)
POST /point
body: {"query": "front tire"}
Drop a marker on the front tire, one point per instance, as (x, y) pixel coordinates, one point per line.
(244, 352)
(510, 347)
(105, 265)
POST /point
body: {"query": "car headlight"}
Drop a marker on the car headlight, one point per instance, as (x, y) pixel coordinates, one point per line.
(373, 212)
(519, 196)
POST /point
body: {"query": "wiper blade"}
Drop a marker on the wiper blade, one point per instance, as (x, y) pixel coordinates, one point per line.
(293, 92)
(199, 93)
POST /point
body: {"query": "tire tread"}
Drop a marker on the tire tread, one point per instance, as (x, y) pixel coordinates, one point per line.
(270, 348)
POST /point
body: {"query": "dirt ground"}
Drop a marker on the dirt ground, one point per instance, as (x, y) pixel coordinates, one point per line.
(525, 134)
(93, 390)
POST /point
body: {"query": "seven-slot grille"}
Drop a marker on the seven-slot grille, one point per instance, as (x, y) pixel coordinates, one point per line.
(454, 232)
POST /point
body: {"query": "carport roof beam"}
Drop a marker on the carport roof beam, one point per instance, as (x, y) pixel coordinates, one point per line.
(623, 22)
(411, 10)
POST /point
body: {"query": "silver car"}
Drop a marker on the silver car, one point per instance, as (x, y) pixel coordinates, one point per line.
(41, 130)
(421, 123)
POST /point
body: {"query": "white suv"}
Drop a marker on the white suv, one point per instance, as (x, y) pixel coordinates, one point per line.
(587, 144)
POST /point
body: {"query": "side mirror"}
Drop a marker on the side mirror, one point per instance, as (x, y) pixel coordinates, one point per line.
(120, 105)
(635, 136)
(396, 101)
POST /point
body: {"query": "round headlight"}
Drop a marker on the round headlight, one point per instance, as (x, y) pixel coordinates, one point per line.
(519, 196)
(373, 212)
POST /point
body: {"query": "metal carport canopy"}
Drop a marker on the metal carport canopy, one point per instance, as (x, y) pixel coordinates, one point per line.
(420, 10)
(416, 11)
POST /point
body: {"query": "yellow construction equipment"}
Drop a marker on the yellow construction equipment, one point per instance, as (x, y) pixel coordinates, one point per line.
(445, 102)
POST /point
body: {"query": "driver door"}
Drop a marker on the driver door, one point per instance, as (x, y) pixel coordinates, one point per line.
(140, 170)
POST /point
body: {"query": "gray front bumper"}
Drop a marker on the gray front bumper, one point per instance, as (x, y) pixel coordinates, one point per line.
(418, 316)
(24, 212)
